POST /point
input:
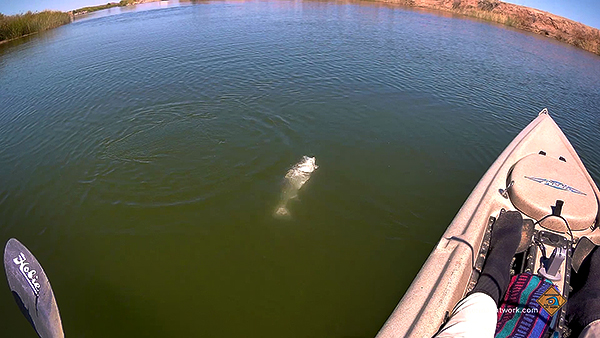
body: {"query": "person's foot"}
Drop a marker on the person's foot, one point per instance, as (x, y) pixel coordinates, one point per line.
(506, 235)
(583, 307)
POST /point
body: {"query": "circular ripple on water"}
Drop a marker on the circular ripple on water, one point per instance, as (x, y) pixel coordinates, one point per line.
(185, 152)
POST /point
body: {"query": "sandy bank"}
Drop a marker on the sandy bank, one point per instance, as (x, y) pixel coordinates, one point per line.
(525, 18)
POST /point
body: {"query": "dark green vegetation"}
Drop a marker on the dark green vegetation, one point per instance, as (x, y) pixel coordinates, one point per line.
(89, 9)
(84, 10)
(15, 26)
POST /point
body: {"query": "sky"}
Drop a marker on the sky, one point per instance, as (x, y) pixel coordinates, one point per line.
(584, 11)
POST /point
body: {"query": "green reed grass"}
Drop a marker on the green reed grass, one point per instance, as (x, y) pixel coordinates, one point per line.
(105, 6)
(95, 8)
(15, 26)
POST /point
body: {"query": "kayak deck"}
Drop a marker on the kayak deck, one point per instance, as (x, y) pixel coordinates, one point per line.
(538, 167)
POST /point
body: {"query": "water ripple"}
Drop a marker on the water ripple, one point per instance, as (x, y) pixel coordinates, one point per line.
(174, 127)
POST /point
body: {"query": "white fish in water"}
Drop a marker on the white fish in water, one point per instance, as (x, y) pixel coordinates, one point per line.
(295, 178)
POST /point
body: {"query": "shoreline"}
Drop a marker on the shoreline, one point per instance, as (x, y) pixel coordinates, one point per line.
(17, 38)
(14, 27)
(122, 3)
(516, 16)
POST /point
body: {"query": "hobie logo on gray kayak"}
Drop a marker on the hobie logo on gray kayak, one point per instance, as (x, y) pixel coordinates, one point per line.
(28, 273)
(556, 185)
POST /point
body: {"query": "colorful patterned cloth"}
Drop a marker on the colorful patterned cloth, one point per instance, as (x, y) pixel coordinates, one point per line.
(520, 315)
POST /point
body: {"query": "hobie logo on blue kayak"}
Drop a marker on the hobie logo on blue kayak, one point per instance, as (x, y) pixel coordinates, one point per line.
(556, 185)
(28, 273)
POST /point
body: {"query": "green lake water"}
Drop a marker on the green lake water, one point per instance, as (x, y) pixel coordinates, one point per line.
(142, 156)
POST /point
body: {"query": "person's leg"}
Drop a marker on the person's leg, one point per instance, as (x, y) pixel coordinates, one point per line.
(476, 314)
(506, 235)
(583, 307)
(592, 330)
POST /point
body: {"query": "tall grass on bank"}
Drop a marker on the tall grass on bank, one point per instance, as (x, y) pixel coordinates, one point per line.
(90, 9)
(15, 26)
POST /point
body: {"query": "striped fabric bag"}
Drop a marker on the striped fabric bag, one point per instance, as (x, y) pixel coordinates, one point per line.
(520, 314)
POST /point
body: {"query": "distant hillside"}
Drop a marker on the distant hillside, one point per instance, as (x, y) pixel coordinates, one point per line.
(525, 18)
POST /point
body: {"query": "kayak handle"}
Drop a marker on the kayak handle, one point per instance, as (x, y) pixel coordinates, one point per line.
(504, 192)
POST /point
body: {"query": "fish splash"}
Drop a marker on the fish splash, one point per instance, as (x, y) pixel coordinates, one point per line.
(295, 178)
